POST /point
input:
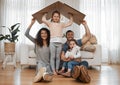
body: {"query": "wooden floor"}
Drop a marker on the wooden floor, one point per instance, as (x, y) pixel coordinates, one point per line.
(108, 75)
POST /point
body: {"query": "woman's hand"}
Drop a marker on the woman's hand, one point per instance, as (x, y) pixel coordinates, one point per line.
(33, 20)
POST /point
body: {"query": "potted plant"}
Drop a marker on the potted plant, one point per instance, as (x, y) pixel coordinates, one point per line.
(12, 37)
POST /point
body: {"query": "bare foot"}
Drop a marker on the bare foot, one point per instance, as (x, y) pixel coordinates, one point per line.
(54, 72)
(67, 74)
(61, 71)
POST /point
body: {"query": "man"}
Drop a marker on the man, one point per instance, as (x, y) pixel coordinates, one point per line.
(80, 42)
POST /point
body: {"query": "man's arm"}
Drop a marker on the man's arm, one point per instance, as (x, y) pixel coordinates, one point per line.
(63, 57)
(87, 33)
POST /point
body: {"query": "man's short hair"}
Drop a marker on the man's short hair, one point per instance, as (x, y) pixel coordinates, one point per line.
(69, 31)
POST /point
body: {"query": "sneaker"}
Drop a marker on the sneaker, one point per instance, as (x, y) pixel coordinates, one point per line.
(47, 77)
(84, 77)
(39, 75)
(76, 72)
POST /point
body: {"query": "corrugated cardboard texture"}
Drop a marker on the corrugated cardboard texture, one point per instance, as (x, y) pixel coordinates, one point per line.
(63, 8)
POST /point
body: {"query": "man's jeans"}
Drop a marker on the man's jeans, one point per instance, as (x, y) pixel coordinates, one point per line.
(74, 63)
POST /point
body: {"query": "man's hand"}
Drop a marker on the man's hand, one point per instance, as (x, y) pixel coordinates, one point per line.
(68, 59)
(63, 57)
(84, 22)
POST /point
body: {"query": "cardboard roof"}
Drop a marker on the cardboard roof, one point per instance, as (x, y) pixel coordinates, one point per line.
(63, 8)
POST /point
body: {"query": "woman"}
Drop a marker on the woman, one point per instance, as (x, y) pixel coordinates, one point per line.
(42, 52)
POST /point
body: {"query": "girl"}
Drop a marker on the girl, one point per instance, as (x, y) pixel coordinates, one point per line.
(74, 55)
(56, 28)
(42, 52)
(74, 50)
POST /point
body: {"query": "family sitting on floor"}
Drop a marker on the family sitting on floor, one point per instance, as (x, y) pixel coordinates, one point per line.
(53, 57)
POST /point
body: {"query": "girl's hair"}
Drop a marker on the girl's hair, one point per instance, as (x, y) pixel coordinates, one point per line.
(73, 41)
(54, 13)
(39, 40)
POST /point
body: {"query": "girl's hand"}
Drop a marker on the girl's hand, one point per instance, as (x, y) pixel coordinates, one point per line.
(45, 13)
(70, 14)
(71, 57)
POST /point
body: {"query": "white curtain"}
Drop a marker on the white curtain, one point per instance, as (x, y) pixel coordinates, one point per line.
(102, 17)
(19, 11)
(14, 11)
